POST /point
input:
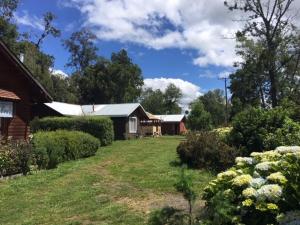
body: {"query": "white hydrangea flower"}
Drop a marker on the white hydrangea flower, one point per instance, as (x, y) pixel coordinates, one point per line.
(271, 192)
(257, 182)
(249, 192)
(288, 149)
(242, 180)
(265, 166)
(242, 161)
(227, 174)
(277, 178)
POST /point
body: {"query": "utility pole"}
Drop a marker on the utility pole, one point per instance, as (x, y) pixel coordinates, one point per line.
(226, 97)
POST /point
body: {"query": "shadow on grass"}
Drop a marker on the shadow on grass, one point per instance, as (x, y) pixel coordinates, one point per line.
(168, 216)
(176, 163)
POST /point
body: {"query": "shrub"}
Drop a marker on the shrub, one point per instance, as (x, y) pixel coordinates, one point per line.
(258, 130)
(99, 127)
(168, 216)
(206, 150)
(53, 147)
(259, 190)
(15, 157)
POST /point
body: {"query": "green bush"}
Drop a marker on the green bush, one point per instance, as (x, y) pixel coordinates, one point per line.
(54, 147)
(206, 150)
(15, 157)
(259, 190)
(168, 216)
(98, 126)
(259, 130)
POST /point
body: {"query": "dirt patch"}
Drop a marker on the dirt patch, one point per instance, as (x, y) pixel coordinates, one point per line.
(153, 201)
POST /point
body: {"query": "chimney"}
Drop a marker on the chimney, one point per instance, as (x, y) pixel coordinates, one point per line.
(21, 57)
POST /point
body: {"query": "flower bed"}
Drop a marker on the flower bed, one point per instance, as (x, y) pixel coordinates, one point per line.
(261, 189)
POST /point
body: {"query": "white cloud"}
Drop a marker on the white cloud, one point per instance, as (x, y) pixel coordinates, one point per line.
(29, 20)
(203, 25)
(58, 72)
(185, 24)
(189, 90)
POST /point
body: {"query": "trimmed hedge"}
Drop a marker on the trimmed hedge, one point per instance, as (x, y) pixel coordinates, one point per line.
(98, 126)
(53, 147)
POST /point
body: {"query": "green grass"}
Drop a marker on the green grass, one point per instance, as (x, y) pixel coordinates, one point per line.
(120, 185)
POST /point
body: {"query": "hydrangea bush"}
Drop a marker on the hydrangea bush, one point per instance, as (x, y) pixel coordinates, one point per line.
(261, 189)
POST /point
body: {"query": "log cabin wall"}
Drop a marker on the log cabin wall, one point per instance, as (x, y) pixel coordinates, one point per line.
(11, 79)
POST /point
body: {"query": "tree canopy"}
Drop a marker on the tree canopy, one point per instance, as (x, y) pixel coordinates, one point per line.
(159, 103)
(269, 47)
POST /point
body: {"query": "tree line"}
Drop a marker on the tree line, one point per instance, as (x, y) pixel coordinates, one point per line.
(94, 79)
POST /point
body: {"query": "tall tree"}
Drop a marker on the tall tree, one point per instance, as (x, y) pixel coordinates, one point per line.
(172, 97)
(49, 28)
(8, 31)
(153, 101)
(7, 8)
(82, 49)
(126, 77)
(110, 81)
(214, 103)
(268, 22)
(199, 119)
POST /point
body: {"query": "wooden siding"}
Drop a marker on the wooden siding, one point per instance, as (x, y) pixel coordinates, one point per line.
(12, 80)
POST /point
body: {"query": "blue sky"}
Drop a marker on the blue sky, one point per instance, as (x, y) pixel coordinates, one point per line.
(172, 41)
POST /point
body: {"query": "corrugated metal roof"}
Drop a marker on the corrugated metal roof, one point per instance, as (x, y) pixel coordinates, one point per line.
(65, 108)
(152, 117)
(171, 118)
(111, 110)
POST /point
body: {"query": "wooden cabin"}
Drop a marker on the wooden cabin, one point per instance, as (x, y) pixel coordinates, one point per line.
(173, 124)
(19, 92)
(126, 117)
(151, 126)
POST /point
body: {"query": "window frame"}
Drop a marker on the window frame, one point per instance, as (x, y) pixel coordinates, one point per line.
(133, 126)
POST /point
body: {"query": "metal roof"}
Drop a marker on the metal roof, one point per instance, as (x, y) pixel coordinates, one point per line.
(65, 108)
(171, 118)
(111, 110)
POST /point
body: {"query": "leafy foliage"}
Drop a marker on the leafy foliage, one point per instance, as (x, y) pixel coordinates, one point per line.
(199, 119)
(214, 103)
(269, 48)
(15, 157)
(159, 103)
(82, 49)
(99, 127)
(168, 216)
(258, 130)
(206, 150)
(49, 29)
(259, 190)
(172, 96)
(185, 186)
(153, 101)
(54, 147)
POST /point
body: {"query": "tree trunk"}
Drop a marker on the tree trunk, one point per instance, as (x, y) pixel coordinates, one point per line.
(274, 88)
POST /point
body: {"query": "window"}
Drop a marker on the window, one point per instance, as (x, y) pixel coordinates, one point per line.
(132, 125)
(6, 109)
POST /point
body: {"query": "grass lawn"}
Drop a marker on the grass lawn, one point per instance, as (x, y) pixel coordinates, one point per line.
(120, 185)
